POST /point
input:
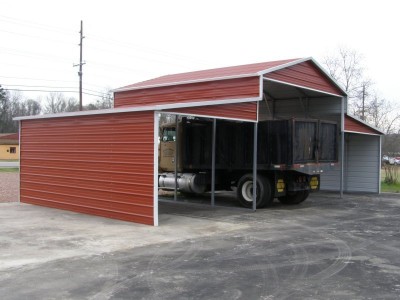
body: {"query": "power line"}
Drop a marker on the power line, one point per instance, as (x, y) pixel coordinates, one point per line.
(36, 37)
(30, 54)
(52, 87)
(37, 25)
(102, 39)
(48, 91)
(43, 79)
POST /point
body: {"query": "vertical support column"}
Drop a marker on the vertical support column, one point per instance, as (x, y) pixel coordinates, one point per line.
(342, 141)
(255, 167)
(214, 133)
(19, 160)
(155, 171)
(380, 164)
(176, 158)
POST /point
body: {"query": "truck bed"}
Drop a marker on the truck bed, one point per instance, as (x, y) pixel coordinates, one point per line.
(282, 144)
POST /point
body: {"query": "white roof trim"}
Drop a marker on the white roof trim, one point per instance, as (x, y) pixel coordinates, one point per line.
(303, 87)
(207, 116)
(140, 108)
(329, 76)
(286, 65)
(299, 61)
(364, 133)
(364, 123)
(124, 89)
(259, 73)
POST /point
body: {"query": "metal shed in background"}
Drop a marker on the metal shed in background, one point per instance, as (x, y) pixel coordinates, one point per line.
(362, 159)
(106, 162)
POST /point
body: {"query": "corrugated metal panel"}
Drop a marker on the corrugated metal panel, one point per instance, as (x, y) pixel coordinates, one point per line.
(362, 163)
(210, 74)
(101, 165)
(203, 91)
(244, 111)
(305, 74)
(350, 124)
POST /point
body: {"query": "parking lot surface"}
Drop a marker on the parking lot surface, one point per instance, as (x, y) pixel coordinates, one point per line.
(326, 248)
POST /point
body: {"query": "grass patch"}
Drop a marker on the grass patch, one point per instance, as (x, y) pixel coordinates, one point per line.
(390, 188)
(390, 179)
(9, 170)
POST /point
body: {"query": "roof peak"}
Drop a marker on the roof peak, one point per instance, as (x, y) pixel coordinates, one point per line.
(210, 74)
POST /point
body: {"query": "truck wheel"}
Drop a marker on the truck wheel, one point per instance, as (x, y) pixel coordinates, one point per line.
(293, 198)
(245, 191)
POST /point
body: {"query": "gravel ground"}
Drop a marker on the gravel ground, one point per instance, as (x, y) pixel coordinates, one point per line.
(9, 186)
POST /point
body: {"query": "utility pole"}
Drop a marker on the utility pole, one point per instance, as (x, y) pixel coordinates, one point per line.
(81, 63)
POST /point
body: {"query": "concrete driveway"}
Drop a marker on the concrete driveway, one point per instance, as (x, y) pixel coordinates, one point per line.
(9, 164)
(326, 248)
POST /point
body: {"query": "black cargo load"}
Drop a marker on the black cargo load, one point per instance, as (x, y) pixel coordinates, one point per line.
(280, 142)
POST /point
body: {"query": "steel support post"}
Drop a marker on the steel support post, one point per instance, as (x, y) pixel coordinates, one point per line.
(255, 167)
(342, 141)
(214, 133)
(176, 158)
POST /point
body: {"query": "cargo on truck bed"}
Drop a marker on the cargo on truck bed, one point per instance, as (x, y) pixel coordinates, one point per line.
(291, 154)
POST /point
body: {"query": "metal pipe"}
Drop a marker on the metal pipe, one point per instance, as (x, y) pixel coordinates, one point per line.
(380, 164)
(214, 133)
(342, 141)
(176, 158)
(255, 167)
(19, 159)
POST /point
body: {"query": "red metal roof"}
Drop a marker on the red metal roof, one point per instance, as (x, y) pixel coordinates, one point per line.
(352, 124)
(204, 75)
(9, 136)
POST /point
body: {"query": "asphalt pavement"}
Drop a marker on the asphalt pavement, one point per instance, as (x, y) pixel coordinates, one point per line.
(325, 248)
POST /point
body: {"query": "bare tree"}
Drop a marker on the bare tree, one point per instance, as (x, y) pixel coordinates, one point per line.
(57, 103)
(106, 100)
(346, 67)
(382, 114)
(13, 104)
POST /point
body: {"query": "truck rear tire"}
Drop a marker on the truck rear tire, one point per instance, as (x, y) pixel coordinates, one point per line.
(293, 198)
(245, 191)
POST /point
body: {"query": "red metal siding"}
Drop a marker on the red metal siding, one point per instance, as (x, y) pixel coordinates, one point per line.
(245, 111)
(305, 74)
(101, 165)
(202, 91)
(211, 73)
(353, 125)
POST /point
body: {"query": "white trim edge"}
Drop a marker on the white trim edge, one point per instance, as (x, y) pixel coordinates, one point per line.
(363, 133)
(125, 89)
(140, 108)
(301, 86)
(286, 65)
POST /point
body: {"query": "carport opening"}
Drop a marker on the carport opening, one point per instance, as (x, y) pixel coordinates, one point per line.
(186, 160)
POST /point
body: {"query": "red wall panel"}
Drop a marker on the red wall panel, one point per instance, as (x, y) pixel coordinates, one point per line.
(101, 165)
(351, 124)
(244, 111)
(305, 74)
(202, 91)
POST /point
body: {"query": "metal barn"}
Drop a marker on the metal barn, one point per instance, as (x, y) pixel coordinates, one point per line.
(105, 162)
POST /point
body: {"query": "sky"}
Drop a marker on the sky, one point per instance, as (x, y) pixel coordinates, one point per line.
(131, 41)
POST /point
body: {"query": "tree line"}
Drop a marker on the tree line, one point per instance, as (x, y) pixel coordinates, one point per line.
(364, 101)
(15, 105)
